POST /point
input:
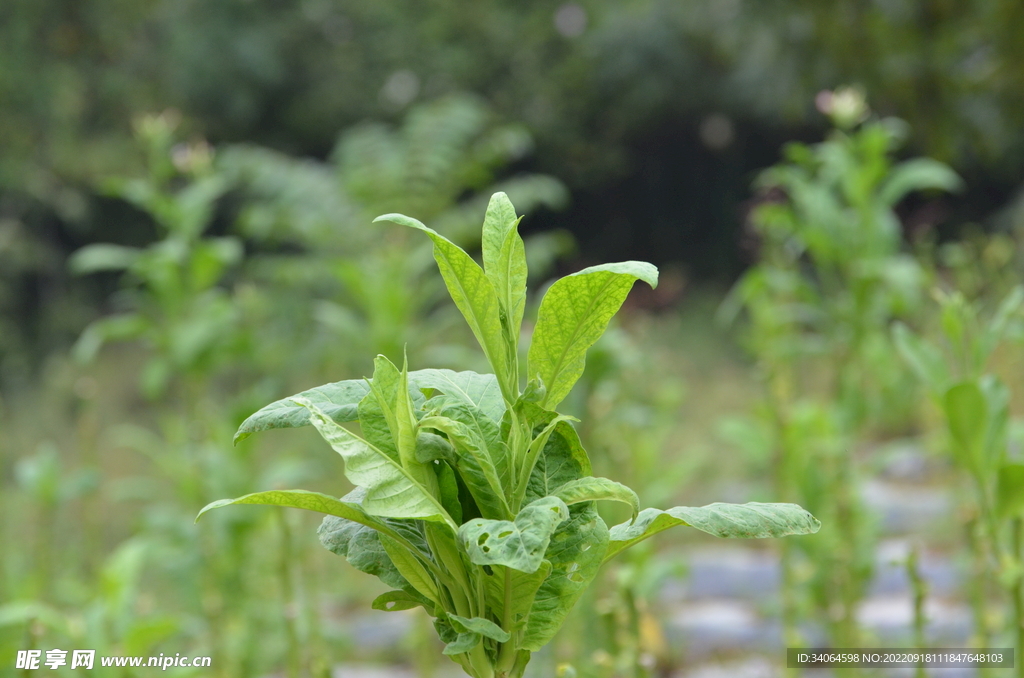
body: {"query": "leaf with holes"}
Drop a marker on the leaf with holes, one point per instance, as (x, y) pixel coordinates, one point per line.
(519, 544)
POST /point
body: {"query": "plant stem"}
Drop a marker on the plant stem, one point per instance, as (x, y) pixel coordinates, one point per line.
(777, 388)
(294, 648)
(977, 587)
(920, 591)
(1018, 594)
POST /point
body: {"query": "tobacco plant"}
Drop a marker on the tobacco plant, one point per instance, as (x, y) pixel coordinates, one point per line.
(832, 275)
(474, 498)
(975, 405)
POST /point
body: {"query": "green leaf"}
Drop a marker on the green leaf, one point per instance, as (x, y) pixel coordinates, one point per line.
(475, 465)
(478, 390)
(411, 568)
(749, 521)
(347, 531)
(102, 257)
(361, 546)
(339, 401)
(563, 460)
(474, 295)
(518, 544)
(444, 629)
(483, 429)
(522, 590)
(112, 328)
(916, 175)
(533, 453)
(997, 327)
(484, 627)
(505, 262)
(1010, 489)
(431, 447)
(302, 499)
(997, 405)
(573, 315)
(464, 643)
(390, 490)
(967, 418)
(925, 360)
(394, 601)
(448, 488)
(597, 489)
(406, 436)
(387, 420)
(576, 552)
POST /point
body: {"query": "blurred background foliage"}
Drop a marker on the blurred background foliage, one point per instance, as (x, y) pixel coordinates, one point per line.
(186, 191)
(655, 113)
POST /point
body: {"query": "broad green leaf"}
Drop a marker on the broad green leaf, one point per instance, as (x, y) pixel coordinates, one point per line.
(598, 489)
(483, 429)
(411, 568)
(390, 490)
(1008, 308)
(474, 463)
(448, 490)
(29, 611)
(522, 589)
(967, 418)
(537, 446)
(749, 521)
(431, 447)
(302, 499)
(346, 525)
(473, 294)
(576, 552)
(997, 405)
(102, 257)
(484, 627)
(112, 328)
(1010, 489)
(563, 460)
(339, 401)
(405, 437)
(505, 261)
(444, 629)
(573, 315)
(916, 175)
(464, 643)
(362, 548)
(478, 390)
(924, 359)
(394, 601)
(377, 418)
(518, 544)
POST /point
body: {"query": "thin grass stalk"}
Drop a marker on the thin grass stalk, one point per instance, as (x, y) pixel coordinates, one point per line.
(293, 665)
(919, 590)
(1017, 531)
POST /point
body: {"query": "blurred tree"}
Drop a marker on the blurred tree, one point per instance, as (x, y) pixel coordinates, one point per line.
(656, 112)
